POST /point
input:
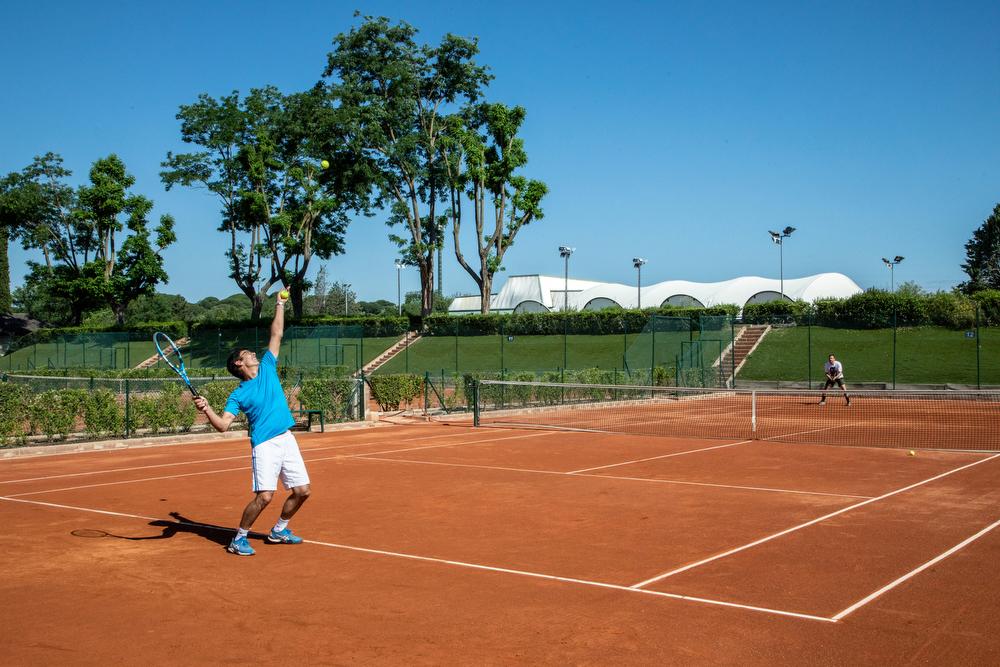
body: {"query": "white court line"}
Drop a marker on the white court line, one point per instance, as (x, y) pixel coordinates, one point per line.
(662, 456)
(768, 538)
(221, 458)
(885, 589)
(463, 564)
(247, 467)
(366, 457)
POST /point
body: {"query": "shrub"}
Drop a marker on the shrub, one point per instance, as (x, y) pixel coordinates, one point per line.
(988, 303)
(390, 391)
(14, 402)
(102, 414)
(948, 309)
(217, 392)
(776, 312)
(331, 395)
(54, 412)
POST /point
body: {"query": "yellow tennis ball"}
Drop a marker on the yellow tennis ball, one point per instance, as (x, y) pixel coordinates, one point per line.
(912, 453)
(324, 164)
(284, 294)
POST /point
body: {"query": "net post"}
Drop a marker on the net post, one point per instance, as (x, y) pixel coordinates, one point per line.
(809, 351)
(361, 396)
(753, 414)
(894, 343)
(475, 402)
(979, 384)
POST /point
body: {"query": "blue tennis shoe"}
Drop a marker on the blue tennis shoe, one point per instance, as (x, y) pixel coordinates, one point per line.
(285, 536)
(240, 547)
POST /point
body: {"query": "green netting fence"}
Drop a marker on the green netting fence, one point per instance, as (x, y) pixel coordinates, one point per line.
(899, 354)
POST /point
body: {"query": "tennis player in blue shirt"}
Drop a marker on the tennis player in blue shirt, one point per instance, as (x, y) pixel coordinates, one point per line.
(274, 451)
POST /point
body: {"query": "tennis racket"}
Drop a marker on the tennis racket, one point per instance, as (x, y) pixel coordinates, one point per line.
(166, 347)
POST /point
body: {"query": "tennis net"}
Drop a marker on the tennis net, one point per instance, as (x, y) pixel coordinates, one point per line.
(958, 420)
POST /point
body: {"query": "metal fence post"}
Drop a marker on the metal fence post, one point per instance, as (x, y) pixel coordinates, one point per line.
(475, 402)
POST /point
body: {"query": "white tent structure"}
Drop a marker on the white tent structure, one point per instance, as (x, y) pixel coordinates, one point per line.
(536, 293)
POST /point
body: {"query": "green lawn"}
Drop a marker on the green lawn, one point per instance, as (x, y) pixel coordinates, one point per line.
(546, 353)
(924, 355)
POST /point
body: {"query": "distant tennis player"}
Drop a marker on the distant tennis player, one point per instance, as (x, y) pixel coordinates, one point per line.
(834, 376)
(275, 453)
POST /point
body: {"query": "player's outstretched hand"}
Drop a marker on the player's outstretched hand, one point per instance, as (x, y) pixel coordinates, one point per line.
(201, 403)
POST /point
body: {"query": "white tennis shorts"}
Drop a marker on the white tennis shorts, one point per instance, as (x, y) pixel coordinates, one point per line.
(278, 457)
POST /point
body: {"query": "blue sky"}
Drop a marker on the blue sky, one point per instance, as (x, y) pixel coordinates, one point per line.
(680, 132)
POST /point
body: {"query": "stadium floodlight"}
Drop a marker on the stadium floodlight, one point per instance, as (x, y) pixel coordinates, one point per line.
(399, 302)
(565, 252)
(891, 263)
(637, 262)
(778, 238)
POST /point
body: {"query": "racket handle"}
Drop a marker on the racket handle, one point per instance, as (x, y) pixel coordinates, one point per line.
(194, 392)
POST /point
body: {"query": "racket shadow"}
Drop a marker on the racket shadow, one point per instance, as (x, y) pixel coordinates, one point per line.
(220, 535)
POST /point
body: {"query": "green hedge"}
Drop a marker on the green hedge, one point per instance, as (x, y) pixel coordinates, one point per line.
(372, 326)
(331, 395)
(391, 391)
(877, 309)
(594, 322)
(173, 329)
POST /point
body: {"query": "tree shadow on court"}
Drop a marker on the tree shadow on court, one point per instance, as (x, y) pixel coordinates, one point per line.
(221, 535)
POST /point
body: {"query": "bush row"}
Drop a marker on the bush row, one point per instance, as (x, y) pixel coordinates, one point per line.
(877, 309)
(99, 413)
(597, 322)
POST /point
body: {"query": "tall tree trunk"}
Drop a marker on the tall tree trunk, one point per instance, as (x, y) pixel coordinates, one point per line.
(484, 292)
(5, 304)
(427, 284)
(295, 289)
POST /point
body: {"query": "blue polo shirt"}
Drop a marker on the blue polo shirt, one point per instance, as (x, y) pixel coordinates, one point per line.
(263, 401)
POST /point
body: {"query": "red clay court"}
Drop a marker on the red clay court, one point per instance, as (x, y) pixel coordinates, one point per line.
(430, 543)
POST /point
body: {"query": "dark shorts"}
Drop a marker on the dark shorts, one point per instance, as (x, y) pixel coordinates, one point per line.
(829, 383)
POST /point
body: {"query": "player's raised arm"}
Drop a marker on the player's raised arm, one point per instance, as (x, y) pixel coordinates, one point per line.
(278, 323)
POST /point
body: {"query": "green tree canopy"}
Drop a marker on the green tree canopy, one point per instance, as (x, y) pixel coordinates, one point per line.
(482, 154)
(395, 96)
(262, 158)
(90, 261)
(982, 256)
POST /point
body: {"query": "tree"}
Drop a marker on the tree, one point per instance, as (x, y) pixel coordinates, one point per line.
(320, 290)
(395, 96)
(262, 159)
(982, 253)
(78, 234)
(482, 154)
(341, 300)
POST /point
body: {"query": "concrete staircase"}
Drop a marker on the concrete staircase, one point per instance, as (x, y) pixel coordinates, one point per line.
(746, 342)
(149, 363)
(408, 339)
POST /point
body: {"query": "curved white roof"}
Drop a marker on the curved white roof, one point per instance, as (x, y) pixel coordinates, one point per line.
(550, 291)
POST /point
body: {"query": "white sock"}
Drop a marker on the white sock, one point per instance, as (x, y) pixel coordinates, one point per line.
(241, 533)
(281, 525)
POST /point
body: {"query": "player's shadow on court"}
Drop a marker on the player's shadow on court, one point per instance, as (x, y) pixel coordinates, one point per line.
(221, 535)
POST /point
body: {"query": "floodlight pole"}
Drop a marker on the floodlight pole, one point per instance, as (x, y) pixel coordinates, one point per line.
(565, 252)
(778, 238)
(637, 262)
(347, 295)
(891, 263)
(399, 300)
